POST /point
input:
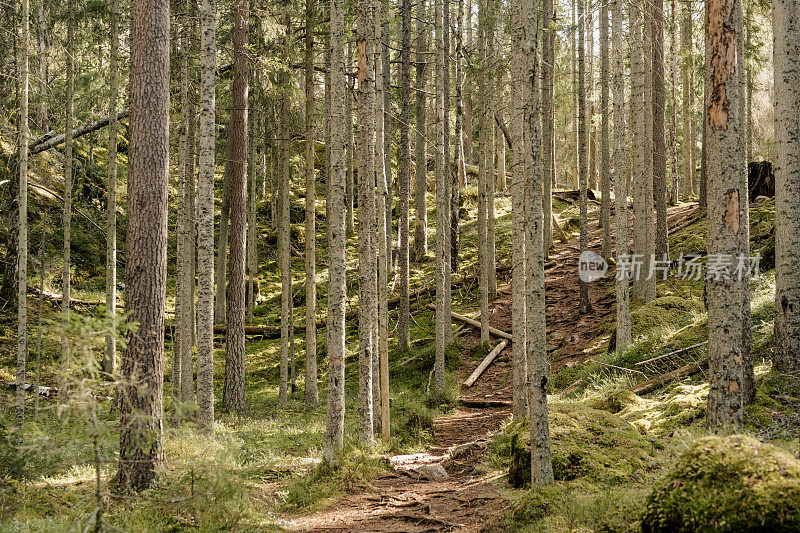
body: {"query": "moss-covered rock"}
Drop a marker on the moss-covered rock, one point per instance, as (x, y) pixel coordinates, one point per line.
(733, 483)
(585, 443)
(663, 311)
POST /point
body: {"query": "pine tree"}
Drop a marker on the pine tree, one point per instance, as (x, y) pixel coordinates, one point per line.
(548, 121)
(620, 171)
(727, 212)
(367, 282)
(22, 203)
(687, 83)
(659, 148)
(583, 154)
(605, 149)
(785, 24)
(233, 392)
(335, 347)
(403, 178)
(442, 205)
(483, 154)
(421, 175)
(311, 393)
(205, 218)
(284, 236)
(141, 394)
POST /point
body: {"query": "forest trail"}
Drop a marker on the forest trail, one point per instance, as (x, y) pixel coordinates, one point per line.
(467, 500)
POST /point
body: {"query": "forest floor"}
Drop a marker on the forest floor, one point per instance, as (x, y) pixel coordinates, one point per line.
(414, 498)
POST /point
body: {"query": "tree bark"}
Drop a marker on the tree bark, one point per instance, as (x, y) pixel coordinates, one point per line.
(786, 24)
(483, 153)
(421, 176)
(205, 218)
(583, 153)
(234, 386)
(442, 205)
(22, 203)
(548, 121)
(311, 392)
(459, 179)
(403, 177)
(493, 91)
(688, 104)
(220, 302)
(110, 362)
(141, 392)
(623, 319)
(659, 147)
(727, 211)
(334, 432)
(367, 282)
(605, 148)
(284, 234)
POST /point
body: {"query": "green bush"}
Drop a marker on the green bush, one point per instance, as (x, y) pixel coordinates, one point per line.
(733, 483)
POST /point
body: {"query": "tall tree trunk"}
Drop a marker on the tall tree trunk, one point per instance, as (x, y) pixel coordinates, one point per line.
(284, 233)
(367, 281)
(205, 218)
(141, 394)
(748, 80)
(311, 392)
(583, 153)
(387, 127)
(383, 251)
(110, 362)
(220, 299)
(403, 177)
(786, 25)
(233, 392)
(548, 121)
(537, 384)
(449, 254)
(688, 104)
(350, 144)
(493, 91)
(335, 347)
(649, 285)
(574, 96)
(605, 148)
(22, 203)
(659, 148)
(642, 181)
(620, 172)
(67, 213)
(458, 141)
(421, 176)
(483, 154)
(469, 48)
(442, 205)
(519, 178)
(44, 68)
(252, 169)
(673, 117)
(727, 211)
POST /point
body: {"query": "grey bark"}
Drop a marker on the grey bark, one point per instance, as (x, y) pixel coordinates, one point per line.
(403, 179)
(311, 391)
(110, 362)
(786, 30)
(483, 153)
(421, 176)
(284, 235)
(605, 148)
(583, 154)
(442, 205)
(548, 121)
(659, 147)
(727, 211)
(687, 100)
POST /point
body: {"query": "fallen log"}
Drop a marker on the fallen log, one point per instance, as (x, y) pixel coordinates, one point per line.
(659, 381)
(676, 352)
(561, 235)
(469, 402)
(47, 142)
(485, 363)
(461, 318)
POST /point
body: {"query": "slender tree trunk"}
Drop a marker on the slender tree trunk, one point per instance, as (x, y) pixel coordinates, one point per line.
(220, 299)
(383, 251)
(350, 144)
(110, 362)
(311, 392)
(548, 122)
(688, 129)
(365, 35)
(605, 148)
(205, 218)
(519, 177)
(727, 211)
(252, 168)
(483, 149)
(748, 80)
(583, 153)
(786, 25)
(22, 203)
(233, 392)
(44, 69)
(537, 383)
(403, 176)
(442, 204)
(620, 172)
(335, 347)
(141, 392)
(284, 233)
(449, 254)
(649, 285)
(493, 90)
(574, 96)
(458, 141)
(421, 176)
(387, 128)
(659, 148)
(469, 48)
(673, 117)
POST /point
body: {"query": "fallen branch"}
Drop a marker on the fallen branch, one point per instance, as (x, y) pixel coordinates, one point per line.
(468, 402)
(659, 381)
(676, 352)
(561, 235)
(485, 363)
(49, 141)
(461, 318)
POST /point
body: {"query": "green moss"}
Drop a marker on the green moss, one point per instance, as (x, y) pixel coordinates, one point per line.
(666, 310)
(733, 483)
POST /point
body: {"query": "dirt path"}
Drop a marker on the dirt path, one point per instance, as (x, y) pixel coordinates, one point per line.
(468, 500)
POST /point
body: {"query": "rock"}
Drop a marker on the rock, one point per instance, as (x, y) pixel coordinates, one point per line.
(434, 472)
(733, 483)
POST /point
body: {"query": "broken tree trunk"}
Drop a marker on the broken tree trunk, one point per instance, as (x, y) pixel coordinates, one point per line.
(485, 363)
(49, 140)
(461, 318)
(659, 381)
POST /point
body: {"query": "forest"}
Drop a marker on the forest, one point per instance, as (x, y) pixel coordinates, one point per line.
(399, 265)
